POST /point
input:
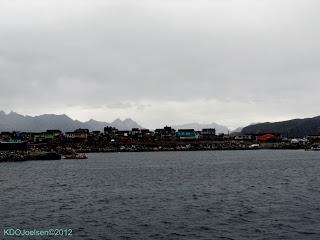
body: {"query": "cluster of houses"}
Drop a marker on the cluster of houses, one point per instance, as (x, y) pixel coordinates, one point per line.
(112, 139)
(112, 134)
(166, 133)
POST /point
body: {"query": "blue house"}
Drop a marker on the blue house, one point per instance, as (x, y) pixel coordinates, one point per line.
(187, 134)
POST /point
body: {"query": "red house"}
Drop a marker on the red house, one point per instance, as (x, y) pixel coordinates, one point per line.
(266, 137)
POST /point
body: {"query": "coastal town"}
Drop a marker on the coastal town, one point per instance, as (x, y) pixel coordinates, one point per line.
(52, 144)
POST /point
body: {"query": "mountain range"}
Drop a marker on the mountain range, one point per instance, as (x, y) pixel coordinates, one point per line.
(289, 128)
(17, 122)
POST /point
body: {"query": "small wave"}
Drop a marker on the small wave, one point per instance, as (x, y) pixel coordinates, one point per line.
(228, 238)
(177, 234)
(306, 233)
(205, 228)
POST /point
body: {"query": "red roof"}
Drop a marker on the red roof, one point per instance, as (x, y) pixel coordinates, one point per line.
(266, 137)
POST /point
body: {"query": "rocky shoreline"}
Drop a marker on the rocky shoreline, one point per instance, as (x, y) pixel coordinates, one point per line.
(51, 152)
(191, 146)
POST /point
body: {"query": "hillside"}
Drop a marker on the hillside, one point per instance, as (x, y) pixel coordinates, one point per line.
(290, 128)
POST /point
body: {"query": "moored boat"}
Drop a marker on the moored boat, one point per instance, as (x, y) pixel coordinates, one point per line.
(254, 146)
(75, 156)
(315, 148)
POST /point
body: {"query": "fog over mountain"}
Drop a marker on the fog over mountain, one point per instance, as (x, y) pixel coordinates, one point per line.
(161, 61)
(237, 130)
(16, 122)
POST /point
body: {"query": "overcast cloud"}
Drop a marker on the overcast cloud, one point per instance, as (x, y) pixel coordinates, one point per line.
(161, 61)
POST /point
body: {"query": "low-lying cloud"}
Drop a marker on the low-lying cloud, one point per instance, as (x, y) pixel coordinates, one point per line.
(233, 62)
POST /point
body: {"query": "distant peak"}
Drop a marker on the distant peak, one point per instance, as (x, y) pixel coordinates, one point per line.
(91, 120)
(117, 120)
(12, 113)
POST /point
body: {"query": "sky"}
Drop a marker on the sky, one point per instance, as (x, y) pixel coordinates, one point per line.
(233, 62)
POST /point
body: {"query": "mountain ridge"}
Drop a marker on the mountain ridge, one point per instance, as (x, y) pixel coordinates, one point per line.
(299, 127)
(17, 122)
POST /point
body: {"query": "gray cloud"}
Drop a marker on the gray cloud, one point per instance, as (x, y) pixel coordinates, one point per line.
(232, 61)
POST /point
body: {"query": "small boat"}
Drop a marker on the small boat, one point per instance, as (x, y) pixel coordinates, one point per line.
(75, 156)
(315, 148)
(254, 146)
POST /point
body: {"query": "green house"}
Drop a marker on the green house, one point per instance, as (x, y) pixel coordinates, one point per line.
(47, 136)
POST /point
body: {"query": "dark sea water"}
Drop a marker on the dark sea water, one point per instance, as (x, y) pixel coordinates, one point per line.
(167, 195)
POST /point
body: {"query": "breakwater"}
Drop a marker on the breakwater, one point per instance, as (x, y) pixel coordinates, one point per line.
(172, 146)
(54, 150)
(17, 156)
